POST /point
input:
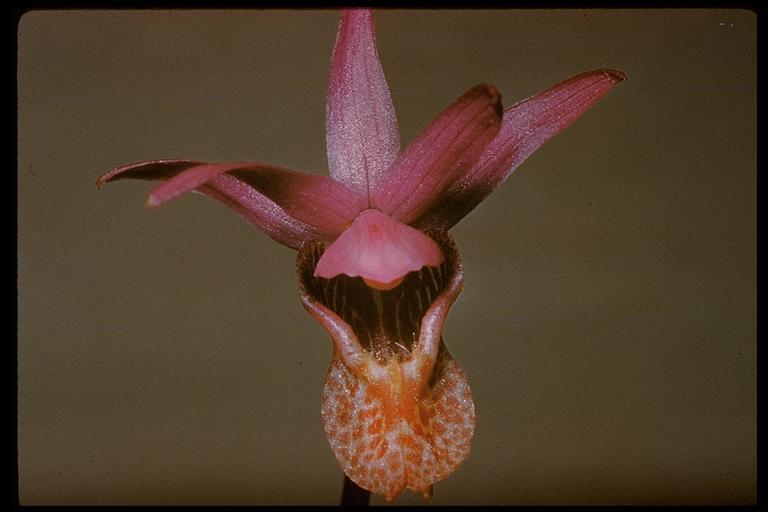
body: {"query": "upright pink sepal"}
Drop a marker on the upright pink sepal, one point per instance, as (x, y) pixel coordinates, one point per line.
(379, 249)
(440, 155)
(525, 127)
(362, 136)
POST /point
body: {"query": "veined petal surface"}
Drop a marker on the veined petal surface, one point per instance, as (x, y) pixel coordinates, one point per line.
(443, 153)
(362, 135)
(291, 207)
(525, 127)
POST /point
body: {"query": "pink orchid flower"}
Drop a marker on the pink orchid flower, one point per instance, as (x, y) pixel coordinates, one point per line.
(376, 266)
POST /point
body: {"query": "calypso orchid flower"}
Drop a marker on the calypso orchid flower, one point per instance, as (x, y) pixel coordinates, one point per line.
(376, 266)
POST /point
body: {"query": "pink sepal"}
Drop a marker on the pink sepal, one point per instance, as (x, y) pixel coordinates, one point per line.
(440, 155)
(362, 135)
(525, 127)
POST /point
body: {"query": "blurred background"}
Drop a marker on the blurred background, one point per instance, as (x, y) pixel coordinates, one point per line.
(608, 322)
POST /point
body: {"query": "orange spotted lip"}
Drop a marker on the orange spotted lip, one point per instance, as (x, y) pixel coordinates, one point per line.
(397, 409)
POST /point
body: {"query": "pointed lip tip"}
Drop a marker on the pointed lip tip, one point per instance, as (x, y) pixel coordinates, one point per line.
(151, 202)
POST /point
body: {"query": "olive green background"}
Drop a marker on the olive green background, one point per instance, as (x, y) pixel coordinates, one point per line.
(608, 322)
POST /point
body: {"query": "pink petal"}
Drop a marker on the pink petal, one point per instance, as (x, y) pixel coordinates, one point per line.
(289, 206)
(524, 128)
(260, 211)
(445, 151)
(378, 249)
(316, 200)
(361, 127)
